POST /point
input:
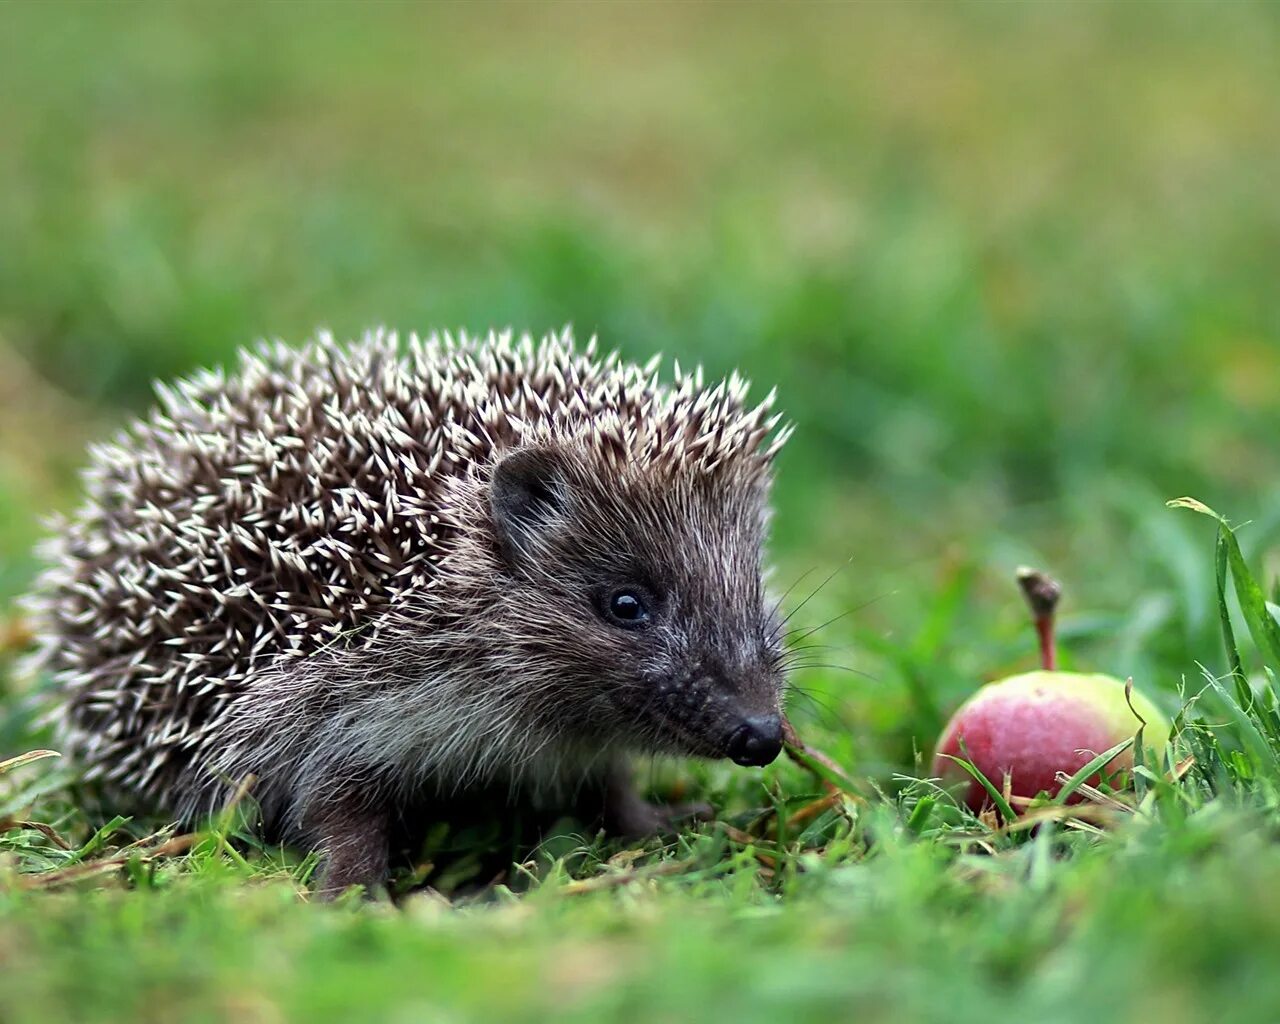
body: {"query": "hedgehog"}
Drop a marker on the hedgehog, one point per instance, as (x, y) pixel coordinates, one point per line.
(366, 575)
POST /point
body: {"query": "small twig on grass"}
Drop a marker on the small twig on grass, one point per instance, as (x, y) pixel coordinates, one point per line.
(48, 831)
(612, 881)
(1097, 796)
(1072, 815)
(746, 839)
(49, 879)
(817, 763)
(816, 807)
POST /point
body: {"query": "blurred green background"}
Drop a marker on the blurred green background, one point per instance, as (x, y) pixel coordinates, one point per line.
(1013, 269)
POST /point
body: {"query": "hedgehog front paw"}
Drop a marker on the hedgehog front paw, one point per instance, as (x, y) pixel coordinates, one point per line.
(637, 818)
(626, 813)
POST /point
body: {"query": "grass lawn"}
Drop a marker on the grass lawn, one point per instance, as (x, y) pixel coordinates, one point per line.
(1013, 271)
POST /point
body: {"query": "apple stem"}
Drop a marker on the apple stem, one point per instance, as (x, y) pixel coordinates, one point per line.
(1042, 593)
(1048, 648)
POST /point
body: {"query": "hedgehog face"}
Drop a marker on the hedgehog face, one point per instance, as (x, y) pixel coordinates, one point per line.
(643, 598)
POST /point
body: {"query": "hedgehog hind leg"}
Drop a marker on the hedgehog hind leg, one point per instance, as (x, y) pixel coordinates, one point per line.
(352, 837)
(628, 814)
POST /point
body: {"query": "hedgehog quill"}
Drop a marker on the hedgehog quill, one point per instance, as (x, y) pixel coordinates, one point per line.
(375, 572)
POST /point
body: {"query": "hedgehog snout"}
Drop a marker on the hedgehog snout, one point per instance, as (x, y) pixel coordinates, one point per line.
(757, 741)
(718, 717)
(750, 725)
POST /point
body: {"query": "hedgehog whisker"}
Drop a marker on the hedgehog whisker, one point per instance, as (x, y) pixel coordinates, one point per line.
(777, 604)
(813, 593)
(807, 666)
(797, 635)
(825, 711)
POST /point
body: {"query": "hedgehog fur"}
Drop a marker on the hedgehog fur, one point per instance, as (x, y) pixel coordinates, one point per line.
(301, 570)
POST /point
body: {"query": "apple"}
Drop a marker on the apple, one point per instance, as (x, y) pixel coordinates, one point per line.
(1036, 725)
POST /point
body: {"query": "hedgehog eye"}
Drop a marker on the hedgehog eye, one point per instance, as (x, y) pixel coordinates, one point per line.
(626, 608)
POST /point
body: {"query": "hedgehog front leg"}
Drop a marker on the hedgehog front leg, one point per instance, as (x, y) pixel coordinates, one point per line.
(352, 837)
(627, 813)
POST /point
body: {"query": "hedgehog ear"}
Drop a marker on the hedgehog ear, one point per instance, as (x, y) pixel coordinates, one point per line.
(529, 495)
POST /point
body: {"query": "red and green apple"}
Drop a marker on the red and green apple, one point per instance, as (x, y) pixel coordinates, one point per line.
(1038, 727)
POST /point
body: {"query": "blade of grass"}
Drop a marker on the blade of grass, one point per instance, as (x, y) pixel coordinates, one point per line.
(9, 764)
(921, 814)
(1263, 756)
(98, 839)
(997, 798)
(1234, 662)
(1262, 627)
(1222, 558)
(1093, 766)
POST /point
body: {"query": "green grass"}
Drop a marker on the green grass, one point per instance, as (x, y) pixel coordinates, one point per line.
(1013, 272)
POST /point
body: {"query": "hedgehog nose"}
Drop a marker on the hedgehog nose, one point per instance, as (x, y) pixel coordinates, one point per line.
(757, 741)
